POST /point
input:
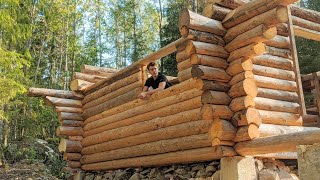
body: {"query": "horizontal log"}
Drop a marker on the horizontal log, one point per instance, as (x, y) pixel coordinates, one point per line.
(71, 123)
(209, 73)
(54, 101)
(68, 109)
(273, 83)
(186, 64)
(186, 85)
(248, 51)
(181, 56)
(142, 110)
(79, 85)
(201, 36)
(244, 88)
(112, 87)
(231, 4)
(71, 156)
(310, 76)
(212, 85)
(218, 142)
(279, 42)
(97, 70)
(267, 130)
(278, 94)
(247, 133)
(200, 23)
(215, 97)
(42, 92)
(284, 53)
(111, 95)
(69, 116)
(281, 143)
(162, 112)
(216, 62)
(222, 129)
(241, 103)
(273, 72)
(258, 34)
(87, 77)
(180, 130)
(304, 13)
(75, 138)
(280, 118)
(276, 105)
(216, 12)
(186, 156)
(74, 164)
(196, 47)
(239, 65)
(252, 9)
(273, 61)
(246, 117)
(124, 98)
(282, 29)
(210, 112)
(269, 18)
(306, 33)
(158, 147)
(67, 146)
(305, 23)
(281, 155)
(240, 77)
(145, 126)
(185, 74)
(69, 131)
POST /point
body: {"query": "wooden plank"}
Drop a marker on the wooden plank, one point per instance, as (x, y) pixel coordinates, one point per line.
(317, 94)
(296, 64)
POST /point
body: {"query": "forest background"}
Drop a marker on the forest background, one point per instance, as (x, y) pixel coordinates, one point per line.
(42, 42)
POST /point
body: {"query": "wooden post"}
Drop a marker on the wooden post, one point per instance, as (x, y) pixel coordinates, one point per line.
(237, 168)
(303, 110)
(317, 94)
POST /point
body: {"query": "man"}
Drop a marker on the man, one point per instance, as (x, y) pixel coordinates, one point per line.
(157, 82)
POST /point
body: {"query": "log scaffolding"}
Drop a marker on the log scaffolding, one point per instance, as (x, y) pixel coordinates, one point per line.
(237, 92)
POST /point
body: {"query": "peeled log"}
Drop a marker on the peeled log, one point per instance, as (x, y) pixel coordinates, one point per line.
(68, 109)
(284, 53)
(69, 131)
(281, 143)
(248, 51)
(267, 130)
(201, 36)
(238, 66)
(306, 33)
(231, 4)
(307, 14)
(212, 85)
(273, 83)
(75, 138)
(279, 42)
(273, 61)
(246, 117)
(276, 105)
(71, 123)
(102, 71)
(184, 65)
(210, 73)
(282, 29)
(240, 77)
(74, 164)
(186, 156)
(54, 101)
(196, 47)
(66, 146)
(213, 11)
(216, 62)
(273, 72)
(158, 147)
(218, 142)
(241, 103)
(87, 77)
(182, 55)
(215, 97)
(79, 85)
(269, 18)
(246, 133)
(278, 94)
(42, 92)
(71, 156)
(258, 34)
(222, 129)
(280, 118)
(69, 116)
(252, 9)
(210, 112)
(200, 23)
(185, 74)
(244, 88)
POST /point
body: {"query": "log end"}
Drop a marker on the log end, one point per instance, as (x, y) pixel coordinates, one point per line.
(190, 48)
(208, 10)
(184, 31)
(184, 18)
(282, 14)
(270, 33)
(196, 71)
(62, 146)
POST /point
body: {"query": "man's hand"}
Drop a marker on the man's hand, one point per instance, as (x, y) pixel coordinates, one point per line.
(144, 95)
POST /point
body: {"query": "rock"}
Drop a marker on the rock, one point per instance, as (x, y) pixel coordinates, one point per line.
(144, 172)
(193, 174)
(89, 176)
(259, 164)
(98, 177)
(122, 175)
(267, 174)
(107, 175)
(270, 165)
(284, 175)
(154, 173)
(168, 170)
(135, 176)
(201, 173)
(216, 176)
(160, 177)
(181, 171)
(197, 167)
(211, 169)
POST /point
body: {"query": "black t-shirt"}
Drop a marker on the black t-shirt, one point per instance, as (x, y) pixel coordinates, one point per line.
(155, 83)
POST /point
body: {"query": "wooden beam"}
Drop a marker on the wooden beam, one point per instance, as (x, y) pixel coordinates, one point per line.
(306, 33)
(317, 94)
(43, 92)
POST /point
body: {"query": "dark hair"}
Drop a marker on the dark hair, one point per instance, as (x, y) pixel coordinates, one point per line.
(152, 64)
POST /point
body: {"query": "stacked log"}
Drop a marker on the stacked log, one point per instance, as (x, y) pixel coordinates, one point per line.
(69, 108)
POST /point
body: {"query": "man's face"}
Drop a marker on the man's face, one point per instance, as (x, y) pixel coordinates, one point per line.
(153, 70)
